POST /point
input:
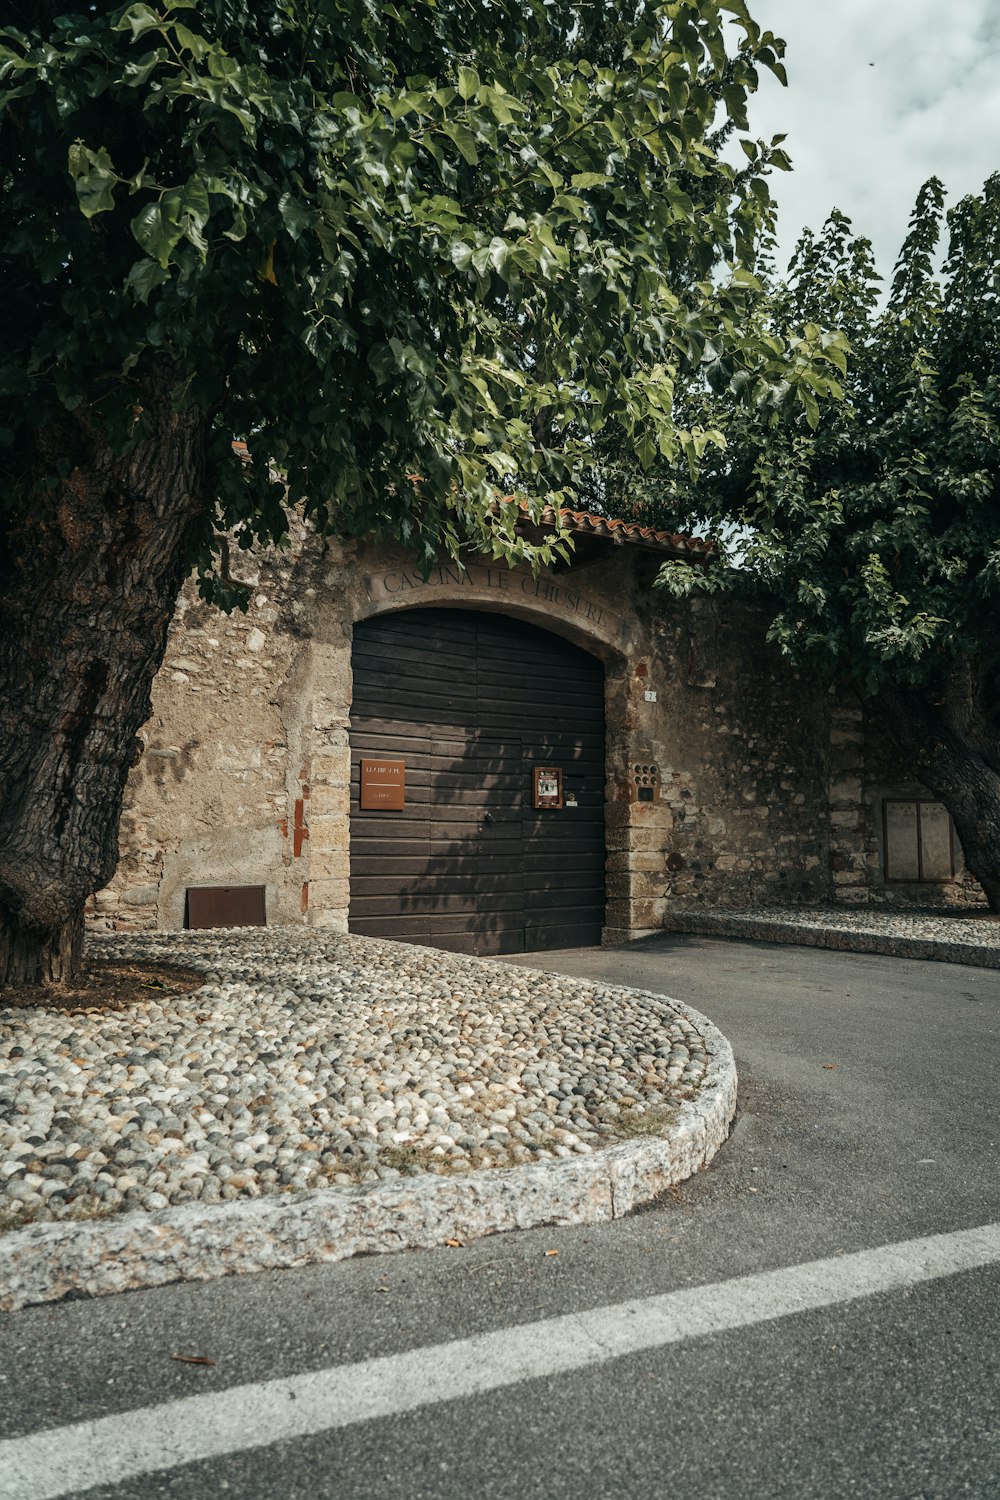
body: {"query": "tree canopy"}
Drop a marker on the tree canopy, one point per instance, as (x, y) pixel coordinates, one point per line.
(449, 241)
(872, 522)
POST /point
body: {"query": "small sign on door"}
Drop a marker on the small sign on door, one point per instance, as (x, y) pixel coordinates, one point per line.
(383, 785)
(548, 786)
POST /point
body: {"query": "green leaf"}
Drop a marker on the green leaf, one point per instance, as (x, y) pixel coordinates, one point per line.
(461, 254)
(191, 42)
(592, 283)
(144, 277)
(464, 140)
(139, 19)
(499, 254)
(589, 179)
(296, 216)
(238, 228)
(95, 179)
(157, 231)
(468, 83)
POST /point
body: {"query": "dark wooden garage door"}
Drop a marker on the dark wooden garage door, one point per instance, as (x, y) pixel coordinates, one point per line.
(472, 703)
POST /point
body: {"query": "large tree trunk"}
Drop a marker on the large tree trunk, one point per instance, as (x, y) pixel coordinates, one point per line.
(89, 576)
(950, 736)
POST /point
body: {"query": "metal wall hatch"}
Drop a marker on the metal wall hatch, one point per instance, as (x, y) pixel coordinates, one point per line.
(225, 906)
(472, 703)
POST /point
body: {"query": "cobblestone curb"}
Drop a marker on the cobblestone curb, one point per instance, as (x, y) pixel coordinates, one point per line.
(897, 935)
(46, 1262)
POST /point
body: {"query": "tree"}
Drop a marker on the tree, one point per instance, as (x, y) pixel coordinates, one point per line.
(872, 523)
(407, 252)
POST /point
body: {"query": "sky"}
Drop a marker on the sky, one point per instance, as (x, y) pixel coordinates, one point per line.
(882, 94)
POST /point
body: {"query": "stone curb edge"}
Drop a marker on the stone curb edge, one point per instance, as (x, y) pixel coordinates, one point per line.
(127, 1252)
(844, 940)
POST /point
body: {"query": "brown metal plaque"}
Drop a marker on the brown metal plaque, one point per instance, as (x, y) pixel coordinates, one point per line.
(383, 785)
(225, 906)
(548, 786)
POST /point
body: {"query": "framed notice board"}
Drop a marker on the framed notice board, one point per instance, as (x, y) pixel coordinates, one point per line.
(547, 786)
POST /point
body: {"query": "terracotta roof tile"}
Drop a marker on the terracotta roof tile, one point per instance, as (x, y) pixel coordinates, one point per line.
(588, 523)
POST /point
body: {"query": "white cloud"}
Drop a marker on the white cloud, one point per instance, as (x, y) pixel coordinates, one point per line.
(882, 95)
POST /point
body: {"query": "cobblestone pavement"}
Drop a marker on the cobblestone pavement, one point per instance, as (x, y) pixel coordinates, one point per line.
(310, 1058)
(968, 936)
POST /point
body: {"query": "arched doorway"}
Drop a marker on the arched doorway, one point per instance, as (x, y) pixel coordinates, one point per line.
(475, 705)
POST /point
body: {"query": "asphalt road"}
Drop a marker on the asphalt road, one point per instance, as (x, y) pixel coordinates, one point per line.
(868, 1116)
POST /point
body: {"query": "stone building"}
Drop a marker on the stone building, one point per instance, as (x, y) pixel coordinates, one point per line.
(547, 760)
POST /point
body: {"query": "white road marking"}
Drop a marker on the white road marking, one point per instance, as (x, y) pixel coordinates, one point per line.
(62, 1460)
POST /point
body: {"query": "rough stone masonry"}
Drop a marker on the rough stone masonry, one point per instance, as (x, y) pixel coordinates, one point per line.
(730, 779)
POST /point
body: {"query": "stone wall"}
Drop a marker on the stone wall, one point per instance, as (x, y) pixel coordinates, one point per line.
(762, 787)
(881, 776)
(744, 743)
(212, 799)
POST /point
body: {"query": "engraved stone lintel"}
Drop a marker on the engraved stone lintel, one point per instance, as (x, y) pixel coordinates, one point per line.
(405, 585)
